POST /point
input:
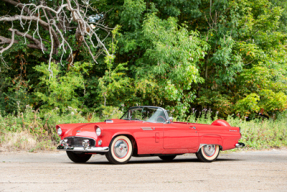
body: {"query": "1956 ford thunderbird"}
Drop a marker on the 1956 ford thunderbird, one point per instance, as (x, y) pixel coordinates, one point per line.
(146, 131)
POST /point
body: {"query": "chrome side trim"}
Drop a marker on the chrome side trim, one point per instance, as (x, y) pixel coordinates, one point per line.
(147, 128)
(82, 149)
(239, 145)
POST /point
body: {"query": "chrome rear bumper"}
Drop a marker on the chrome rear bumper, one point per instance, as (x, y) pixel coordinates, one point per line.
(82, 149)
(239, 145)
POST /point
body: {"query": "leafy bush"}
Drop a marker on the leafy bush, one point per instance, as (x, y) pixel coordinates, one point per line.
(57, 89)
(39, 126)
(256, 133)
(33, 130)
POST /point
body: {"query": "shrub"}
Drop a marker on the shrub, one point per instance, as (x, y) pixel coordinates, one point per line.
(35, 130)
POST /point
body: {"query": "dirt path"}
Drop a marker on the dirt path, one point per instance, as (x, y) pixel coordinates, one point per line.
(241, 171)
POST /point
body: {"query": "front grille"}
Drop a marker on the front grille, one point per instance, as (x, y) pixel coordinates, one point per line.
(77, 141)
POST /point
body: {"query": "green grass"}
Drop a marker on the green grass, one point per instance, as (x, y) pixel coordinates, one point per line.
(257, 133)
(32, 131)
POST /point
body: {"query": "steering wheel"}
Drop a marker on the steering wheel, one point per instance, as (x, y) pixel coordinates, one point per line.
(161, 117)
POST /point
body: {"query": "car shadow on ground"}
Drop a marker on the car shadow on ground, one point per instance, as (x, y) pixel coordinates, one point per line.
(152, 161)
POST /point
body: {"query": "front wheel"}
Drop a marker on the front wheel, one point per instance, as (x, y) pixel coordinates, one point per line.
(208, 153)
(78, 158)
(120, 150)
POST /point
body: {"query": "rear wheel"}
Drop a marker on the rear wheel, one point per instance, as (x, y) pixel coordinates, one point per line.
(120, 150)
(167, 158)
(208, 153)
(78, 158)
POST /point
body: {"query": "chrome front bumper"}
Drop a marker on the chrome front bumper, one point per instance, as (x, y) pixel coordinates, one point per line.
(239, 145)
(82, 149)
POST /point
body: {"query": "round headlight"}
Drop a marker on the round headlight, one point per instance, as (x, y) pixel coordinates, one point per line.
(59, 131)
(98, 131)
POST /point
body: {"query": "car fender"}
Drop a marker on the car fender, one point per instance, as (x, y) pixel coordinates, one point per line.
(122, 133)
(129, 135)
(211, 139)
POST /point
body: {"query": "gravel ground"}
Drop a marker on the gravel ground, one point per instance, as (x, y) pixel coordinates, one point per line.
(240, 171)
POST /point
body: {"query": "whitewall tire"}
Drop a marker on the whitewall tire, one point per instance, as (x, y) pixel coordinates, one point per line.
(208, 153)
(120, 150)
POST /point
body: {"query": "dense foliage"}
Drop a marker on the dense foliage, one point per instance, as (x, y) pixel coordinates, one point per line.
(229, 56)
(32, 131)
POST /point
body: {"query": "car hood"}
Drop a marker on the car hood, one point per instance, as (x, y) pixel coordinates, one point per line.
(85, 129)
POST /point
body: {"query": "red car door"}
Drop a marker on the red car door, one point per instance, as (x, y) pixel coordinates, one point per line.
(150, 138)
(180, 136)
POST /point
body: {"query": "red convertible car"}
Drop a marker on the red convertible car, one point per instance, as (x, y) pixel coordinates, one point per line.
(146, 131)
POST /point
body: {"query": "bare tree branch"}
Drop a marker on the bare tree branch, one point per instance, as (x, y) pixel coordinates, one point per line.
(33, 18)
(69, 14)
(17, 4)
(52, 45)
(36, 41)
(11, 43)
(5, 40)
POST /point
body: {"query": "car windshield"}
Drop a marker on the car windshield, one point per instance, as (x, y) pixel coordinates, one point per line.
(148, 114)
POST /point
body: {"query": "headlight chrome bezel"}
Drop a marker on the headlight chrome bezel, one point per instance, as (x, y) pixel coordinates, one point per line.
(98, 131)
(59, 131)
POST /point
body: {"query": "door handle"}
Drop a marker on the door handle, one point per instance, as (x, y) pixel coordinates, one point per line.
(192, 127)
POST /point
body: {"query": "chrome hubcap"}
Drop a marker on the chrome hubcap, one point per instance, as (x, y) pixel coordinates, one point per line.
(121, 148)
(209, 150)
